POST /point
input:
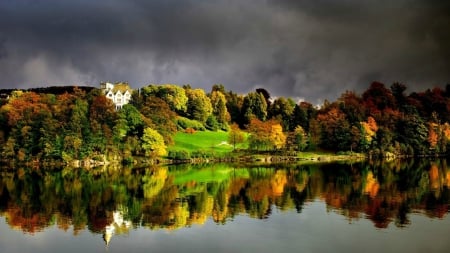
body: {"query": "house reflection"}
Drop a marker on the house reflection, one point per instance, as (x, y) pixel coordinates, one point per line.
(118, 226)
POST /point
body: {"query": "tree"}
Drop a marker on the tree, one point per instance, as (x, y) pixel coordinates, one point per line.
(254, 105)
(234, 107)
(102, 115)
(199, 105)
(266, 135)
(412, 131)
(282, 109)
(265, 94)
(398, 90)
(175, 96)
(159, 116)
(300, 138)
(259, 134)
(277, 137)
(219, 107)
(218, 87)
(351, 104)
(433, 137)
(235, 135)
(133, 119)
(335, 131)
(302, 114)
(153, 143)
(370, 128)
(377, 97)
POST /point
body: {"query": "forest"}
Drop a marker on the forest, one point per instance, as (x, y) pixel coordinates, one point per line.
(75, 123)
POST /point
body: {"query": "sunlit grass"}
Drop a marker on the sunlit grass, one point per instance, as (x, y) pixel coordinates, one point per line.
(208, 141)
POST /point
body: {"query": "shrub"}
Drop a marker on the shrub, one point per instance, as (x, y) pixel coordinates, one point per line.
(211, 123)
(190, 130)
(179, 155)
(201, 154)
(184, 123)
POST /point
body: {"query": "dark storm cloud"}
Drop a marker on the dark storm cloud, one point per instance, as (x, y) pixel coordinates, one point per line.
(303, 49)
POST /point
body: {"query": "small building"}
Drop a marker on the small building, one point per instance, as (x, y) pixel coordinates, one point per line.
(119, 93)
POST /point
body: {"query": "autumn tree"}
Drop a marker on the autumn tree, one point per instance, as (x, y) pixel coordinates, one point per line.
(377, 98)
(153, 143)
(266, 135)
(277, 137)
(351, 104)
(334, 129)
(370, 128)
(235, 135)
(158, 115)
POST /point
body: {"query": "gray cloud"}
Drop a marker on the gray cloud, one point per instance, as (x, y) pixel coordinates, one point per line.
(303, 49)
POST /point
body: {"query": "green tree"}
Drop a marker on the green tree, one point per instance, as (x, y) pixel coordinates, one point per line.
(174, 95)
(153, 143)
(412, 131)
(219, 106)
(254, 105)
(129, 122)
(282, 109)
(234, 107)
(300, 138)
(199, 105)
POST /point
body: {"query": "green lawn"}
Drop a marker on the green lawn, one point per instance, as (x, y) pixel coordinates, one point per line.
(208, 141)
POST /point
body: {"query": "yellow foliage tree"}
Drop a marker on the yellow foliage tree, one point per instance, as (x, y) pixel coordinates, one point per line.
(370, 128)
(277, 136)
(153, 143)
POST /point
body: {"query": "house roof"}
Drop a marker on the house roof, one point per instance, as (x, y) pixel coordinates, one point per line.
(122, 88)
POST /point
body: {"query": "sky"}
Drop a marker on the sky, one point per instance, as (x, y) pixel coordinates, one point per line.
(303, 49)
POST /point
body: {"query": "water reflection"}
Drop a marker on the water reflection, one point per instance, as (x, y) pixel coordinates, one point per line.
(112, 201)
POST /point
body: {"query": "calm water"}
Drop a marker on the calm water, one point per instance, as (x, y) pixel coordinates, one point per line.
(391, 207)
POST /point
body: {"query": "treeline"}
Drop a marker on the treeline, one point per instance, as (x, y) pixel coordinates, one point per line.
(57, 90)
(82, 123)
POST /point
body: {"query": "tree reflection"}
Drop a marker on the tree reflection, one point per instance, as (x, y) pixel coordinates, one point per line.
(111, 201)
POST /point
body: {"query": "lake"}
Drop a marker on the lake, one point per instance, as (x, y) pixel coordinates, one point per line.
(398, 206)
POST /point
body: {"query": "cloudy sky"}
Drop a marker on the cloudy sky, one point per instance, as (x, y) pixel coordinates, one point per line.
(311, 49)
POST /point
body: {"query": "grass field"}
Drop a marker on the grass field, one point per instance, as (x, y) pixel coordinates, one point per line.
(208, 141)
(215, 143)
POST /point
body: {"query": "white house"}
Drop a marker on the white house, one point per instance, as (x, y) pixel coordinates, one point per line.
(119, 93)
